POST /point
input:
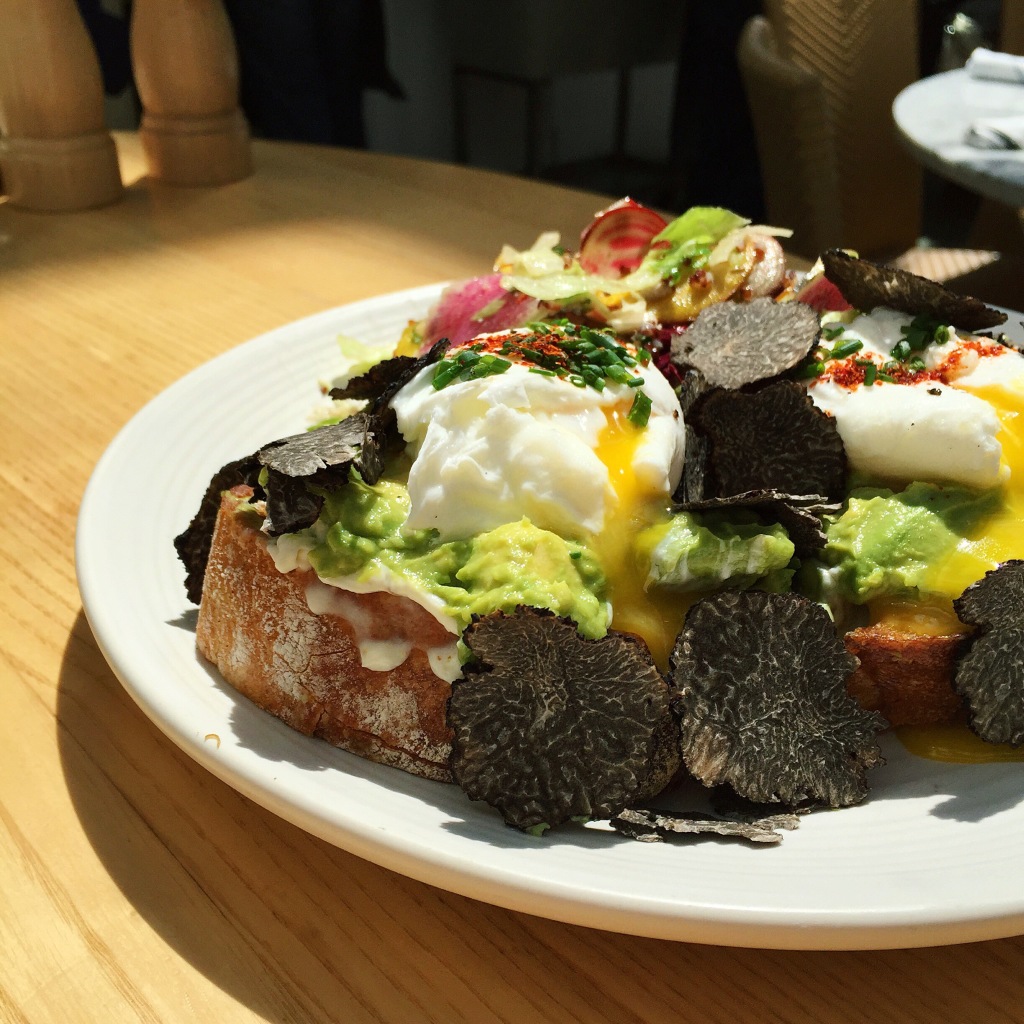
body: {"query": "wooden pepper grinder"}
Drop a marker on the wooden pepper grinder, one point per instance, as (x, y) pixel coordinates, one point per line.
(186, 72)
(55, 153)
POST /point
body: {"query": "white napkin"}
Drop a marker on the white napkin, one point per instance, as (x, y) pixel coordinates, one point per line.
(1003, 67)
(997, 132)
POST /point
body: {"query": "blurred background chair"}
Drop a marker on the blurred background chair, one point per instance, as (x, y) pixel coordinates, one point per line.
(820, 77)
(531, 43)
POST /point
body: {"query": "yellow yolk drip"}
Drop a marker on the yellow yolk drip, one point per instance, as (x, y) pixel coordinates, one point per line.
(955, 744)
(655, 617)
(998, 538)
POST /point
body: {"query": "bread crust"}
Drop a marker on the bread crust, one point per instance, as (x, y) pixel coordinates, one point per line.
(255, 625)
(907, 677)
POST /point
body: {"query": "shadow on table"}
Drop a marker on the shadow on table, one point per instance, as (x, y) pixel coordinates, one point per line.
(297, 930)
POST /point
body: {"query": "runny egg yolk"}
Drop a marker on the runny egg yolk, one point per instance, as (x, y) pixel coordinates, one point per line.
(655, 617)
(997, 538)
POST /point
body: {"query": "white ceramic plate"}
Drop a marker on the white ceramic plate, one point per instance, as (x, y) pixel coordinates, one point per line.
(933, 856)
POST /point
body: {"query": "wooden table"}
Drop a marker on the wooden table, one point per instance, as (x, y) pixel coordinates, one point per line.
(136, 886)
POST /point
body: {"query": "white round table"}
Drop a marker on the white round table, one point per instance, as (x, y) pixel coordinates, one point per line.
(933, 117)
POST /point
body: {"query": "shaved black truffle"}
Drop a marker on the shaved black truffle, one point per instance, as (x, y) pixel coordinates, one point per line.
(739, 343)
(772, 439)
(693, 482)
(549, 725)
(989, 673)
(388, 378)
(322, 457)
(692, 390)
(762, 701)
(371, 384)
(381, 382)
(799, 514)
(650, 826)
(193, 544)
(866, 285)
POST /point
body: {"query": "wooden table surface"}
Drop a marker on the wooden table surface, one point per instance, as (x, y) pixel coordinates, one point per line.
(134, 886)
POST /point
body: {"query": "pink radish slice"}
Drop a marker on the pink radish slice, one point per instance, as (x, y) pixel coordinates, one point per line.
(618, 238)
(821, 294)
(478, 306)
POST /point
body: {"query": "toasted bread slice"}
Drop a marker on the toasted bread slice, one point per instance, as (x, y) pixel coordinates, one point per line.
(907, 677)
(304, 658)
(256, 626)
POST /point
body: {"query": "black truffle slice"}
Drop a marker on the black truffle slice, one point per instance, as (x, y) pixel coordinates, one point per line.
(762, 701)
(193, 544)
(382, 428)
(380, 383)
(739, 343)
(322, 457)
(651, 826)
(376, 379)
(693, 482)
(990, 671)
(549, 725)
(692, 390)
(771, 439)
(799, 514)
(866, 285)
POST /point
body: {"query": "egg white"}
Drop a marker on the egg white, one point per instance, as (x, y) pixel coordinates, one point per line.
(490, 451)
(928, 430)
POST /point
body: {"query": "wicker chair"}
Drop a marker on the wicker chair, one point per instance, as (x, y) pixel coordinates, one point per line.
(820, 78)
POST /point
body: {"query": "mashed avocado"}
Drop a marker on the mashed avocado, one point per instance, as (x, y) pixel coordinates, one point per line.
(703, 552)
(886, 544)
(362, 533)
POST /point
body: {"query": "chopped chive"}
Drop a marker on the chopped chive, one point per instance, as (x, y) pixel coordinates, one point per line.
(832, 331)
(901, 350)
(812, 369)
(887, 378)
(640, 411)
(870, 370)
(577, 380)
(575, 554)
(847, 348)
(917, 364)
(542, 371)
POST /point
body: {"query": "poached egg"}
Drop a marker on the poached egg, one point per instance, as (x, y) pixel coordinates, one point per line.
(957, 419)
(493, 449)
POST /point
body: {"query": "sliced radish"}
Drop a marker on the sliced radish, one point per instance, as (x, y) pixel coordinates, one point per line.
(821, 294)
(618, 238)
(770, 269)
(478, 306)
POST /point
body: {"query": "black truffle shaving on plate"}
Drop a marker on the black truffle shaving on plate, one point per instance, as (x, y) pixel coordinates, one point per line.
(761, 696)
(738, 343)
(866, 285)
(322, 457)
(551, 726)
(799, 514)
(652, 825)
(774, 438)
(381, 382)
(989, 673)
(193, 544)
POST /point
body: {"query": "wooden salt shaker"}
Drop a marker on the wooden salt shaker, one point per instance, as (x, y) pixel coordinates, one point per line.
(55, 153)
(186, 72)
